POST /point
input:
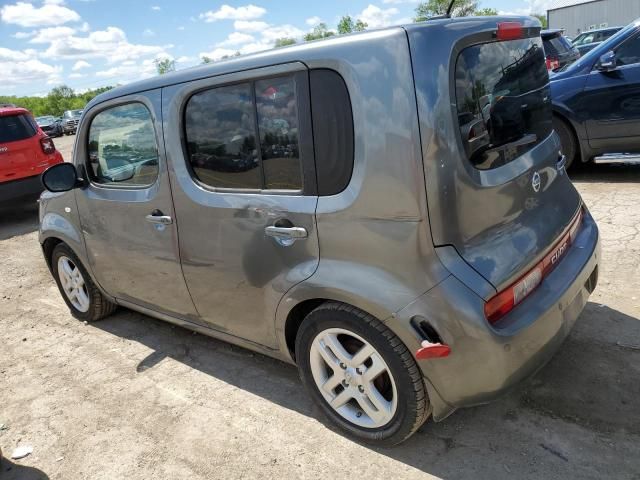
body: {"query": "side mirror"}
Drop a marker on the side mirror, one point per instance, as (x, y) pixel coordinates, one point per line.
(60, 178)
(607, 62)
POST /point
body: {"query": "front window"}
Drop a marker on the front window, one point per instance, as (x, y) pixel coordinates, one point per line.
(122, 147)
(503, 100)
(16, 127)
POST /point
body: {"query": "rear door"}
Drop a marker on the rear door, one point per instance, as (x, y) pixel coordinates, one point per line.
(18, 154)
(497, 192)
(244, 191)
(612, 102)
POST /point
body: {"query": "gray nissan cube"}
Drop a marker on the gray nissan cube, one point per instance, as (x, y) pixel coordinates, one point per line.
(387, 210)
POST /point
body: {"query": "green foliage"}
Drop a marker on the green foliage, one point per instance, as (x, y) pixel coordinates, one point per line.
(58, 100)
(206, 59)
(347, 25)
(433, 8)
(542, 18)
(486, 12)
(164, 65)
(283, 42)
(319, 31)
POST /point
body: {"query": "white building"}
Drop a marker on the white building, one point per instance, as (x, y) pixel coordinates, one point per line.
(576, 16)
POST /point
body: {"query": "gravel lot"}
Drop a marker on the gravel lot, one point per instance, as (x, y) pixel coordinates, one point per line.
(133, 397)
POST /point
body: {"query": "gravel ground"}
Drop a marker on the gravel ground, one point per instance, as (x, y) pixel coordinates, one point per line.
(133, 397)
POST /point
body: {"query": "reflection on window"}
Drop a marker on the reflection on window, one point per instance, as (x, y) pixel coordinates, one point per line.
(629, 52)
(122, 147)
(503, 100)
(278, 126)
(220, 131)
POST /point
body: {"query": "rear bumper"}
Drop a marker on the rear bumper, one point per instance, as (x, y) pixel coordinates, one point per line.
(485, 361)
(21, 188)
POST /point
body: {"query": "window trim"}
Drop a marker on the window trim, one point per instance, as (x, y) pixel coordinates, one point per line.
(82, 159)
(305, 133)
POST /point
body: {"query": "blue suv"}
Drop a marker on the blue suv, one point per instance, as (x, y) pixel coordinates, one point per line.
(596, 101)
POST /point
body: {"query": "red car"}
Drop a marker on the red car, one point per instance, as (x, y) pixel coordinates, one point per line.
(25, 152)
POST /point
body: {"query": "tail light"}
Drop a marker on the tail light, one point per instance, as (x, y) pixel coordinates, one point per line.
(510, 31)
(505, 301)
(552, 64)
(47, 145)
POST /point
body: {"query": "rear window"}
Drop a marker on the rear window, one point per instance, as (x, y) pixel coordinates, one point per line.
(16, 127)
(556, 46)
(503, 100)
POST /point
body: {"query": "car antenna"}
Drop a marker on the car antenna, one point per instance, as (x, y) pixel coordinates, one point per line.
(447, 14)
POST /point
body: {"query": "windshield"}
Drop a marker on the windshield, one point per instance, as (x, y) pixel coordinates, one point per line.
(72, 113)
(585, 38)
(16, 127)
(45, 120)
(503, 100)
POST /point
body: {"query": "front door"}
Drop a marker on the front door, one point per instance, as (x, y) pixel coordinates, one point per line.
(244, 191)
(126, 212)
(612, 102)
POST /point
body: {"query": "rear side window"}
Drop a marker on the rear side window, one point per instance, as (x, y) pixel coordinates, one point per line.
(122, 147)
(245, 136)
(558, 45)
(503, 100)
(16, 127)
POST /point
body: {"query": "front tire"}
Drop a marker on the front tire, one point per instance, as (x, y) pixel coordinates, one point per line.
(361, 375)
(79, 292)
(567, 140)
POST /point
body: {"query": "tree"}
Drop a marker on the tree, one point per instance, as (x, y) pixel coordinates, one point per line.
(206, 59)
(283, 42)
(164, 65)
(318, 32)
(58, 100)
(542, 18)
(433, 8)
(486, 12)
(347, 25)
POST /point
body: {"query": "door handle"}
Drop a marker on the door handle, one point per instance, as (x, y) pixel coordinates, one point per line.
(286, 236)
(158, 218)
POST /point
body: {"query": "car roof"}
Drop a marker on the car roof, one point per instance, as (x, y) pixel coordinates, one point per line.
(606, 29)
(9, 111)
(287, 54)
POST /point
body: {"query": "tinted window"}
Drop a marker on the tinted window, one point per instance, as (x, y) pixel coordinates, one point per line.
(221, 128)
(629, 52)
(122, 147)
(16, 127)
(503, 100)
(278, 127)
(557, 45)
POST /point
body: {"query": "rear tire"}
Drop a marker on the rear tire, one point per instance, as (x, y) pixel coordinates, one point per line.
(79, 292)
(369, 376)
(567, 140)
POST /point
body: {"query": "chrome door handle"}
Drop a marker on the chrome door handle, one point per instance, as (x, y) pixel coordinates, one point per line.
(159, 219)
(286, 236)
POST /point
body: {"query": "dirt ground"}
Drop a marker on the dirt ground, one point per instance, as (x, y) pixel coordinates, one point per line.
(133, 397)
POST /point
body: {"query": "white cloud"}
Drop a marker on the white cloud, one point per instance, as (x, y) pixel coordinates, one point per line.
(21, 67)
(128, 71)
(181, 28)
(48, 35)
(156, 8)
(227, 12)
(23, 35)
(249, 26)
(281, 31)
(313, 21)
(77, 75)
(185, 59)
(397, 2)
(236, 38)
(79, 65)
(148, 32)
(26, 15)
(532, 7)
(377, 17)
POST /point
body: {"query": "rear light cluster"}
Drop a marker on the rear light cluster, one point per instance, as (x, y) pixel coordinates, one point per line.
(552, 64)
(47, 145)
(505, 301)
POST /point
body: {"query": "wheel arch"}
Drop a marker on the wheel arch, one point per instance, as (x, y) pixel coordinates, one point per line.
(578, 131)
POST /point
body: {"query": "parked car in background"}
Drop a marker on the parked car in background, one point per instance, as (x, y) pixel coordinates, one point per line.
(596, 101)
(50, 125)
(558, 50)
(25, 152)
(301, 203)
(70, 121)
(587, 41)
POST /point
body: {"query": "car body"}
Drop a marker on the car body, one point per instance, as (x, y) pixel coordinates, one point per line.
(25, 152)
(587, 41)
(70, 121)
(399, 208)
(559, 51)
(50, 125)
(598, 105)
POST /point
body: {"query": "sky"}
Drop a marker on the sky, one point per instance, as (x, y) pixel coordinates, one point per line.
(92, 43)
